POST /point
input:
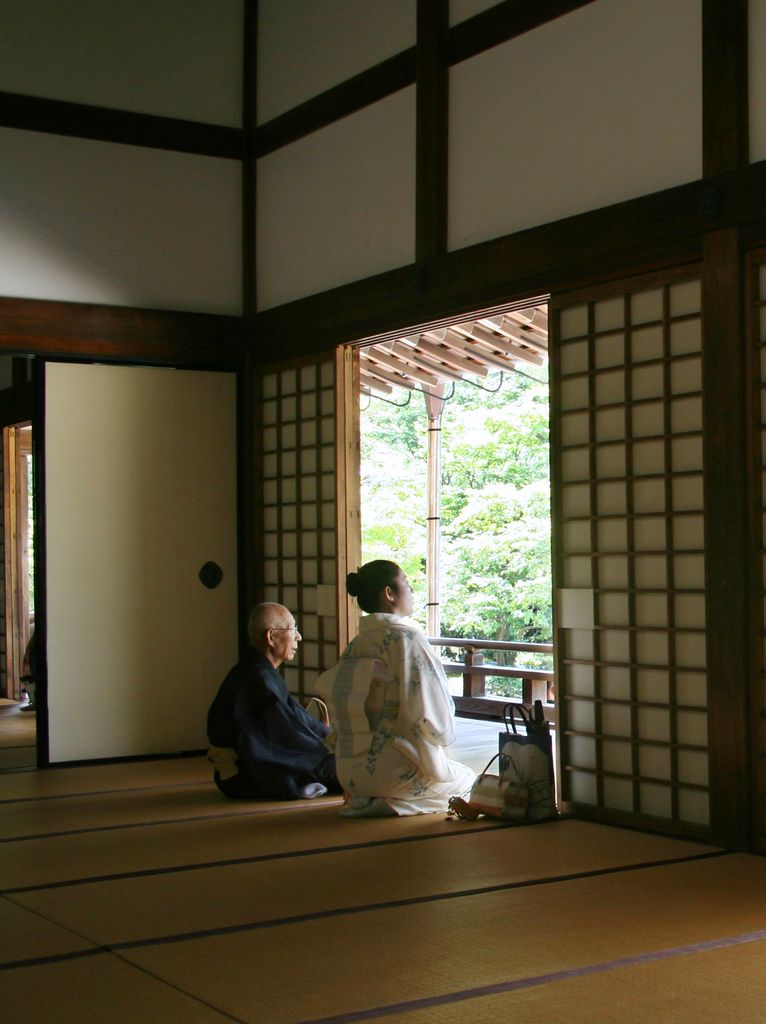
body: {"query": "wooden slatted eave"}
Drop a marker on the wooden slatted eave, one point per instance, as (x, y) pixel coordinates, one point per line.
(516, 339)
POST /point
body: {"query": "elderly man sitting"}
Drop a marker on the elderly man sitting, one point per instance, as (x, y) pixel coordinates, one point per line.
(263, 743)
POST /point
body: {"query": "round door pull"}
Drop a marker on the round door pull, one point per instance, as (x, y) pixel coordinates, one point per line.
(210, 575)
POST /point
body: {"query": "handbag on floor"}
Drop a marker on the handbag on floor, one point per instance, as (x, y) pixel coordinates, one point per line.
(319, 711)
(528, 757)
(496, 795)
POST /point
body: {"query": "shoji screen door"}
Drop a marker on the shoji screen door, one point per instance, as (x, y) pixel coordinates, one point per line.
(140, 493)
(297, 504)
(627, 426)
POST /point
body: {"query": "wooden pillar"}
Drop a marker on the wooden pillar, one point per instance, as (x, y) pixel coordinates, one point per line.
(729, 668)
(432, 117)
(726, 545)
(250, 529)
(724, 85)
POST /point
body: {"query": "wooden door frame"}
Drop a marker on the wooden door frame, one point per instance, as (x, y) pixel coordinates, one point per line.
(348, 457)
(347, 486)
(754, 652)
(15, 553)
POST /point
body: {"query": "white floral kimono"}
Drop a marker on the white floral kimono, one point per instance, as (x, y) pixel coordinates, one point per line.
(392, 719)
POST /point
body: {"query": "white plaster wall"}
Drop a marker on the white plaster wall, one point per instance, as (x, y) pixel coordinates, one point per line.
(338, 205)
(305, 47)
(757, 80)
(174, 58)
(598, 106)
(140, 467)
(84, 221)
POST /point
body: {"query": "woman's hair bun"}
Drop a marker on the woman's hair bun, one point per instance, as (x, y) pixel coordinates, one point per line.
(368, 583)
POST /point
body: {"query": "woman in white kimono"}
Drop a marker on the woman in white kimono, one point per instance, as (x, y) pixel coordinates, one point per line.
(390, 707)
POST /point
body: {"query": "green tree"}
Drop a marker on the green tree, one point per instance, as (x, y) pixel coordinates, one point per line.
(394, 448)
(495, 505)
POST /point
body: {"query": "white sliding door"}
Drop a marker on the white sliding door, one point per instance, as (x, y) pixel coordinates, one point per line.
(140, 493)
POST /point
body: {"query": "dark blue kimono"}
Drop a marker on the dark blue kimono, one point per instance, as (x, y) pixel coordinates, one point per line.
(278, 745)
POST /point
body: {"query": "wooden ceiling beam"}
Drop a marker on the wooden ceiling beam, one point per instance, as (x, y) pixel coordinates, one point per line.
(379, 371)
(516, 330)
(508, 347)
(453, 358)
(374, 383)
(406, 349)
(479, 332)
(387, 358)
(535, 315)
(433, 375)
(535, 330)
(520, 352)
(519, 336)
(498, 360)
(540, 318)
(428, 363)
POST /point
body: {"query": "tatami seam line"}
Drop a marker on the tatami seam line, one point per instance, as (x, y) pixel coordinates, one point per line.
(408, 901)
(102, 792)
(319, 915)
(256, 859)
(52, 958)
(463, 995)
(166, 821)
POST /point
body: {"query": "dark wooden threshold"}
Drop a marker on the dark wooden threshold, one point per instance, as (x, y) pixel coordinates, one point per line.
(174, 755)
(642, 822)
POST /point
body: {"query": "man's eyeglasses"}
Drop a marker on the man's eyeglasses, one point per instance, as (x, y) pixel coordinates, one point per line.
(284, 629)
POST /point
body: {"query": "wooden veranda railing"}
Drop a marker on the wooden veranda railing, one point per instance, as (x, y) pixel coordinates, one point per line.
(536, 683)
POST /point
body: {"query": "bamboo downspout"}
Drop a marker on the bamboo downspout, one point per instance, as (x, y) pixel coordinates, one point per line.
(434, 405)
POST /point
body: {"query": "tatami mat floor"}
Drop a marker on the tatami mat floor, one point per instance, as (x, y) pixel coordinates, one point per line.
(17, 735)
(135, 893)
